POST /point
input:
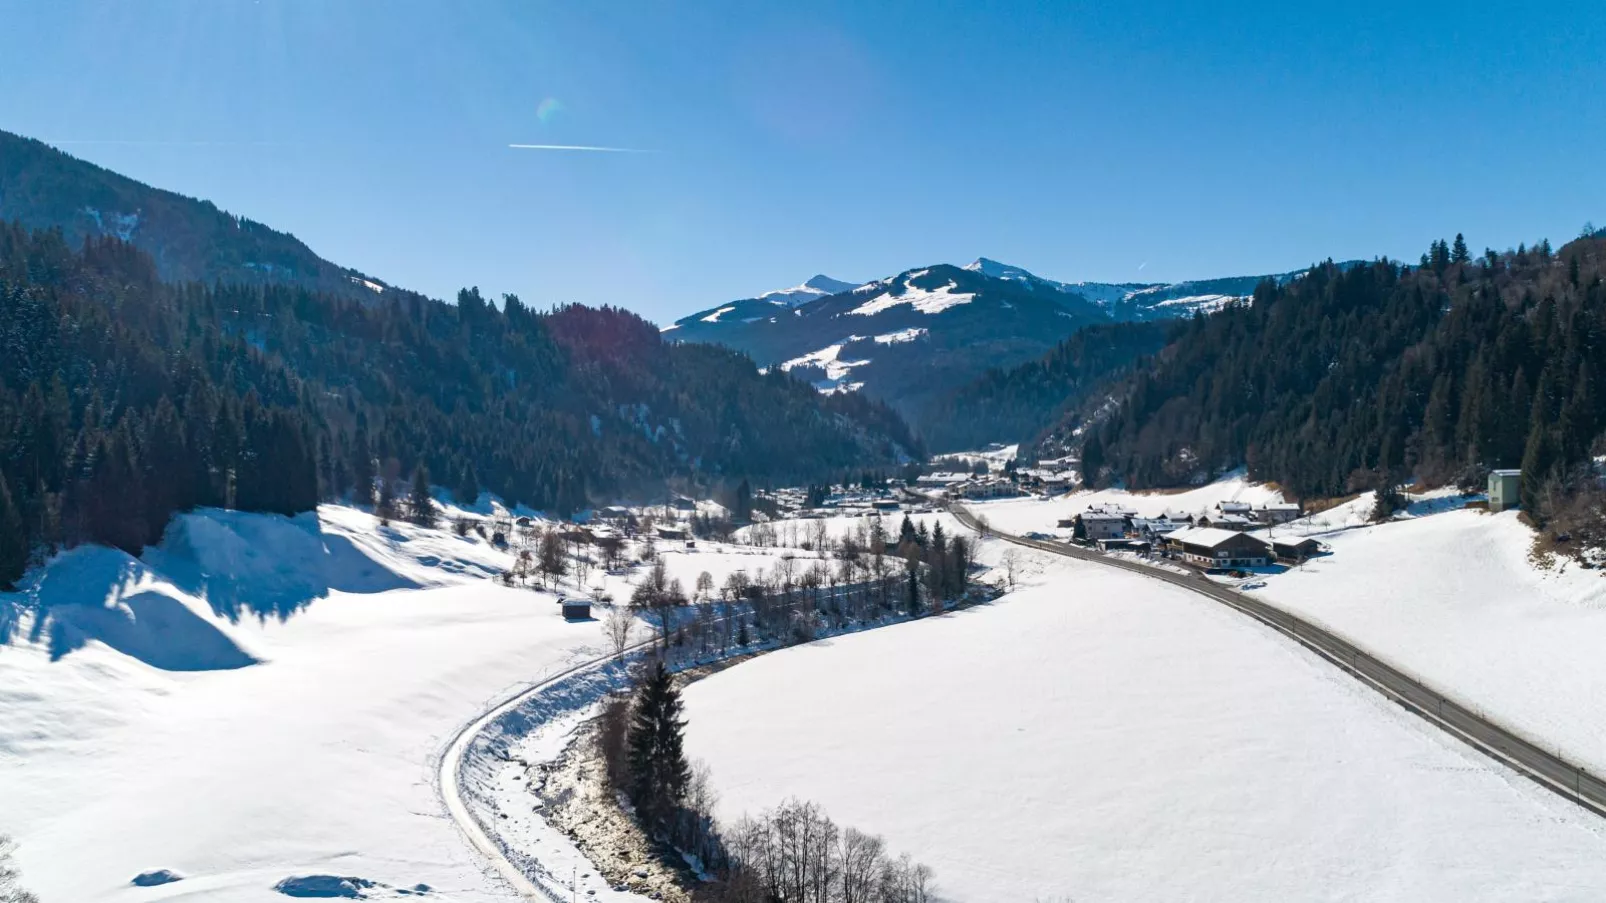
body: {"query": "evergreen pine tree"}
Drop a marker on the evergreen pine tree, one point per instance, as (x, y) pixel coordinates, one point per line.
(385, 507)
(420, 506)
(659, 772)
(362, 468)
(744, 502)
(906, 531)
(468, 486)
(1459, 254)
(13, 540)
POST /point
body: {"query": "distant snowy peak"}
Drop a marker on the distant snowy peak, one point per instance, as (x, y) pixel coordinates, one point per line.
(818, 287)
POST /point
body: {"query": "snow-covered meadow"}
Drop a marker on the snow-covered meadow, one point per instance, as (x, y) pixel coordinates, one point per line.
(260, 698)
(1099, 736)
(1456, 599)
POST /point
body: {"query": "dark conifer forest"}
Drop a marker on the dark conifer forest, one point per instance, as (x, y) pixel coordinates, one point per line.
(1355, 379)
(1017, 404)
(124, 399)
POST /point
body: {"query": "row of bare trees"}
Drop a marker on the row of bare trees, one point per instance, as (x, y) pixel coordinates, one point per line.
(796, 854)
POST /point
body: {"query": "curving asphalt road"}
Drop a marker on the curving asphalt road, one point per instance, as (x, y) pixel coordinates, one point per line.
(1479, 731)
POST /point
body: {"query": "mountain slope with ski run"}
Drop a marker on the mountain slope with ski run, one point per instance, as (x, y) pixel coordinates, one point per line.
(954, 324)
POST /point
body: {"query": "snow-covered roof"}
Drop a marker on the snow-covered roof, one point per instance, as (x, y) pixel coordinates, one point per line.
(1210, 537)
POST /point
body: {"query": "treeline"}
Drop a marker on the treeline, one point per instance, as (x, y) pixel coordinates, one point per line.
(124, 399)
(1350, 380)
(1018, 404)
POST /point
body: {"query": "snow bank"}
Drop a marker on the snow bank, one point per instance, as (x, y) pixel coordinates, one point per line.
(1106, 737)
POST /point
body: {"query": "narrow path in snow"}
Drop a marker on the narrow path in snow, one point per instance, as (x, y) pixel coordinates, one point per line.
(1482, 733)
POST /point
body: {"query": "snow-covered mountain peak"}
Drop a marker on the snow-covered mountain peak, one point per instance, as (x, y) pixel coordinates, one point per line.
(817, 286)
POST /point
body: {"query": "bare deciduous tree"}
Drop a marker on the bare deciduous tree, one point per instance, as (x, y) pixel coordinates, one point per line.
(616, 629)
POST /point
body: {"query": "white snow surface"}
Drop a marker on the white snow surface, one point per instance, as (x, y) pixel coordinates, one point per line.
(926, 301)
(901, 336)
(714, 317)
(1099, 736)
(260, 698)
(1023, 515)
(1454, 599)
(1207, 303)
(829, 359)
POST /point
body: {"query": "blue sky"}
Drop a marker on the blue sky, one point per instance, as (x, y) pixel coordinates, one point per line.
(1130, 141)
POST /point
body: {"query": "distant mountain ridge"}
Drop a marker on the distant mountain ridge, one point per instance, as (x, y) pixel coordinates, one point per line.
(913, 339)
(189, 239)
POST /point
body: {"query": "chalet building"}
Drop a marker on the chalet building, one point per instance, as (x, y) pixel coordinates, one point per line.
(681, 503)
(984, 489)
(885, 505)
(1270, 515)
(1240, 508)
(1092, 526)
(1227, 521)
(1212, 547)
(1155, 528)
(1505, 489)
(672, 533)
(614, 512)
(1294, 551)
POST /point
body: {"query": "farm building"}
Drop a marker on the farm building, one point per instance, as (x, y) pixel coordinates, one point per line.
(1214, 547)
(1505, 489)
(1093, 526)
(1278, 513)
(1293, 551)
(576, 609)
(1229, 521)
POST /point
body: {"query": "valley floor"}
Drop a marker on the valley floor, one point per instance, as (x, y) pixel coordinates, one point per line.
(1099, 736)
(316, 760)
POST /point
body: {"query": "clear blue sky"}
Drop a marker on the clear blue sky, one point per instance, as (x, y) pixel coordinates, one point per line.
(1111, 141)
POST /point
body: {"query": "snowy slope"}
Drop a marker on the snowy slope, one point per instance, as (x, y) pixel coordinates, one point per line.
(1454, 599)
(141, 740)
(1101, 737)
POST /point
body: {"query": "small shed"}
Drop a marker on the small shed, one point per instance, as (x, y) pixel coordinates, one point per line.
(1505, 489)
(576, 609)
(1294, 551)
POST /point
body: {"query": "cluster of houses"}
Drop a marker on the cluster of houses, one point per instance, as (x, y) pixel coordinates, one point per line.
(1218, 538)
(975, 487)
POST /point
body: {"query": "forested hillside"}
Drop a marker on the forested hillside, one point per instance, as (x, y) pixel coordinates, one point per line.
(189, 239)
(124, 398)
(1019, 403)
(1349, 380)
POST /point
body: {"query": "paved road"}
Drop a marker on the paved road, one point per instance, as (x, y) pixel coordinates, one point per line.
(1481, 732)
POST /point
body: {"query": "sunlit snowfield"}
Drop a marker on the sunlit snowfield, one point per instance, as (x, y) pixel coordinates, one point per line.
(1100, 736)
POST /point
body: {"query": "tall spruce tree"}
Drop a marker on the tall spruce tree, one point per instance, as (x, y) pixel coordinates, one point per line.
(659, 772)
(420, 506)
(13, 541)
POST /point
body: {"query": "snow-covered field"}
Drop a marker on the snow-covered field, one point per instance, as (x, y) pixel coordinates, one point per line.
(1098, 736)
(1453, 598)
(141, 735)
(1023, 515)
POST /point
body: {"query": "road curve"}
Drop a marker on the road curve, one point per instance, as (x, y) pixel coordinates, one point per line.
(1481, 732)
(450, 790)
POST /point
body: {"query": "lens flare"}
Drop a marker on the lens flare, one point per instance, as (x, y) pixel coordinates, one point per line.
(548, 110)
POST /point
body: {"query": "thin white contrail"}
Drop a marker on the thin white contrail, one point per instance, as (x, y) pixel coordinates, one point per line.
(582, 147)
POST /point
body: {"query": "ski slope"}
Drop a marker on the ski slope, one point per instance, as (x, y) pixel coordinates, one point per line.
(1099, 736)
(260, 700)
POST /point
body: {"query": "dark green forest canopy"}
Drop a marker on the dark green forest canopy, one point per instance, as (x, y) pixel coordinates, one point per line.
(1348, 380)
(124, 399)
